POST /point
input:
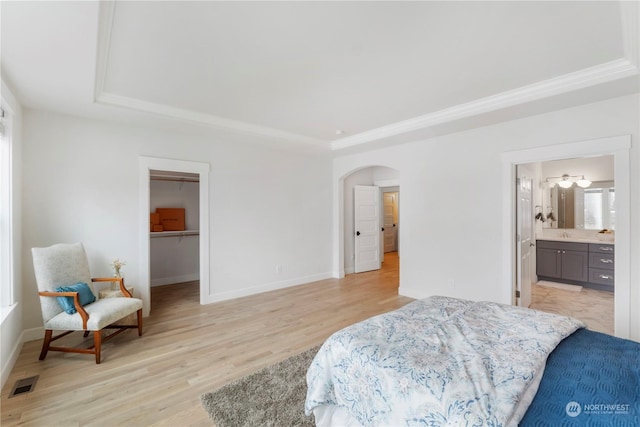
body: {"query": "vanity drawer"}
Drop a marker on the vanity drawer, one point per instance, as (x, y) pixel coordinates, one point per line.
(603, 261)
(567, 246)
(601, 276)
(601, 248)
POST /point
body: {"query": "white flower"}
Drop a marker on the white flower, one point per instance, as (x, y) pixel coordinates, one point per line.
(117, 265)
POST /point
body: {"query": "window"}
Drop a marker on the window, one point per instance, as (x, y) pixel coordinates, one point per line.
(6, 229)
(599, 208)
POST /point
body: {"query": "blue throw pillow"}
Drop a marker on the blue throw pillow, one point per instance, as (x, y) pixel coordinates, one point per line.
(84, 295)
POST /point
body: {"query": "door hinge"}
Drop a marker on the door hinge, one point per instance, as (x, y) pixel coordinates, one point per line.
(517, 294)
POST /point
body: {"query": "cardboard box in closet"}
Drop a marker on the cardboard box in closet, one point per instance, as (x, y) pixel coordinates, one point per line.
(154, 222)
(172, 219)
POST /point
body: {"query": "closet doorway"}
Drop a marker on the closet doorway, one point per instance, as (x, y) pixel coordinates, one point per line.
(174, 250)
(174, 256)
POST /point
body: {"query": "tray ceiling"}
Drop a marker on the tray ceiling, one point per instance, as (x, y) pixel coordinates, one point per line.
(334, 74)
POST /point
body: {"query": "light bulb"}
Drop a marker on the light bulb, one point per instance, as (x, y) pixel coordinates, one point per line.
(565, 184)
(584, 183)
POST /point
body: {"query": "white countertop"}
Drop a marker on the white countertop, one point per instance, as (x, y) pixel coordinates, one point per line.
(608, 240)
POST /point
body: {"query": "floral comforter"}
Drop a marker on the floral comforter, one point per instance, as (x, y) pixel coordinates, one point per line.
(437, 361)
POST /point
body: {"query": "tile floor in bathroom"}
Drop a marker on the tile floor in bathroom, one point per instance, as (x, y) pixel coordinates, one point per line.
(593, 307)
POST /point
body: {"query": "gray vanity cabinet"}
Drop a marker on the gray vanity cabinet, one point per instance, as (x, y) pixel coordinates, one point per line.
(548, 262)
(587, 264)
(562, 260)
(601, 265)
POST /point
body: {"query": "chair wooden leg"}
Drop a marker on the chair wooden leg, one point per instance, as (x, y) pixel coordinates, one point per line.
(45, 343)
(97, 341)
(140, 322)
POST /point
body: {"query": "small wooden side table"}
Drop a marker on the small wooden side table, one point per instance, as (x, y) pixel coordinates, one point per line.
(131, 319)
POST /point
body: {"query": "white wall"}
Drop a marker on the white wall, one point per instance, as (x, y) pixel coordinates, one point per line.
(11, 325)
(268, 207)
(452, 198)
(175, 259)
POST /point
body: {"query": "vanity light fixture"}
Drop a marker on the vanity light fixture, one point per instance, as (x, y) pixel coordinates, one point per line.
(566, 181)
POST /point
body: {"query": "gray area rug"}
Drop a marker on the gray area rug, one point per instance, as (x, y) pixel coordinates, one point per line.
(273, 396)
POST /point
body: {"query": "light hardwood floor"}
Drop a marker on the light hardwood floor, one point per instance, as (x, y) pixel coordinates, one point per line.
(188, 349)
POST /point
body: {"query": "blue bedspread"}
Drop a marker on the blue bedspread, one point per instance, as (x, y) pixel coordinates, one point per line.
(437, 362)
(591, 379)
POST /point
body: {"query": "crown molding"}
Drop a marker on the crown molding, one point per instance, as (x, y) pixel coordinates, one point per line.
(630, 18)
(592, 76)
(195, 117)
(105, 25)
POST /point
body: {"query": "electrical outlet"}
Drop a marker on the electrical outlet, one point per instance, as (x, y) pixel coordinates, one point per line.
(279, 268)
(452, 283)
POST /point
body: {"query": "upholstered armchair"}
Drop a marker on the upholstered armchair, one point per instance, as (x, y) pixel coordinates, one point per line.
(65, 266)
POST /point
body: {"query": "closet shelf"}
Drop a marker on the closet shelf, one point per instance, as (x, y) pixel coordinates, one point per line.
(156, 175)
(154, 234)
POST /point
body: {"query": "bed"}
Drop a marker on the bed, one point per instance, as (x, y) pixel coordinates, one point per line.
(447, 361)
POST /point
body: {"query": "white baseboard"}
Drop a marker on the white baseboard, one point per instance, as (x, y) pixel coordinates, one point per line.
(26, 336)
(9, 364)
(414, 293)
(223, 296)
(33, 334)
(161, 281)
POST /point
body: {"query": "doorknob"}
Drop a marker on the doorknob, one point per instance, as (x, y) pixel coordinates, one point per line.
(357, 233)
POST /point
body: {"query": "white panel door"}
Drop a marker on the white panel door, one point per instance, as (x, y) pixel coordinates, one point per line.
(524, 236)
(366, 210)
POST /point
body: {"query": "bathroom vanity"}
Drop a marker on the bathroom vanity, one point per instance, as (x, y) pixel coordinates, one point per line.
(588, 264)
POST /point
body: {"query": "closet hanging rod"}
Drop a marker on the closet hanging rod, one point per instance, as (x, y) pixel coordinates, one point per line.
(173, 178)
(156, 234)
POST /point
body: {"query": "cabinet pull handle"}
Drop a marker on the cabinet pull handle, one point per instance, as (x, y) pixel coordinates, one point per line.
(606, 248)
(564, 252)
(606, 261)
(604, 276)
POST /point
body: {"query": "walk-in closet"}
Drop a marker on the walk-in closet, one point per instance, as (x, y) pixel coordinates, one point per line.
(174, 254)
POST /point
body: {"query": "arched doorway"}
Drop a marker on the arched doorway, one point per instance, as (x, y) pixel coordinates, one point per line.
(386, 180)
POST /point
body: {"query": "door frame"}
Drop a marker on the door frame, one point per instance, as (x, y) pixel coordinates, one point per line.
(145, 165)
(619, 147)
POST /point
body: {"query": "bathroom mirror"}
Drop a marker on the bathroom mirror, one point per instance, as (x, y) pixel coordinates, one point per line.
(591, 208)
